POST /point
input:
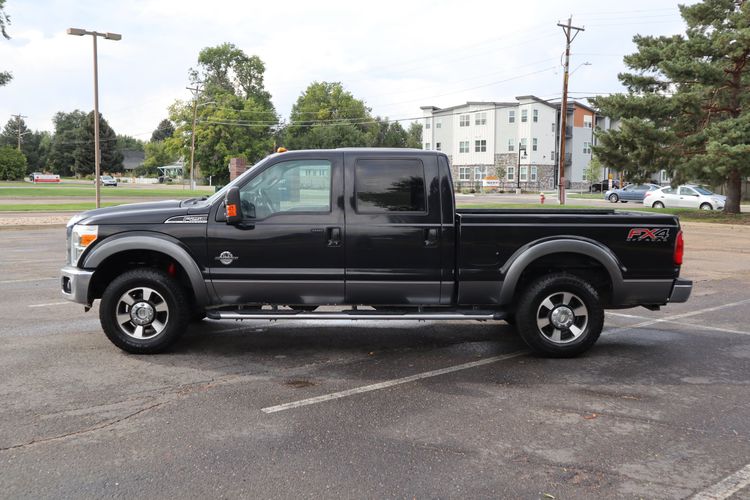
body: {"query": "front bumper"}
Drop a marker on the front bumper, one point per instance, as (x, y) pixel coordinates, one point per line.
(74, 284)
(681, 290)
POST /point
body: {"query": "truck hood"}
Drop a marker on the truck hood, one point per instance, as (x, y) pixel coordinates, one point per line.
(138, 213)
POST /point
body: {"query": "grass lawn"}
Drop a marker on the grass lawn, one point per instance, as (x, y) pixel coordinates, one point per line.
(685, 214)
(56, 207)
(11, 191)
(587, 196)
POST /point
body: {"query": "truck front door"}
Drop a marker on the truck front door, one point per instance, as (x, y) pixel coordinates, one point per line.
(393, 229)
(289, 248)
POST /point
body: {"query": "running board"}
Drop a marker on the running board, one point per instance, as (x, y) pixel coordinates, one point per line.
(357, 315)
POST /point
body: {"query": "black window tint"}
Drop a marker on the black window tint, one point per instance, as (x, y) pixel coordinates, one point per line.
(390, 186)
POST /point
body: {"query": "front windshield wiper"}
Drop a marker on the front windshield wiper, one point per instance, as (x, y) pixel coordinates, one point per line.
(193, 201)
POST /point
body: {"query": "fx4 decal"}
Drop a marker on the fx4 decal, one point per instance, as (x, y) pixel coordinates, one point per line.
(646, 234)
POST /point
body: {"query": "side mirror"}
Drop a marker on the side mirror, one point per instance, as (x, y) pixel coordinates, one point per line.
(232, 204)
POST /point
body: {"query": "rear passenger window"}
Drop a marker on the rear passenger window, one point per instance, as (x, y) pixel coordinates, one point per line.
(389, 186)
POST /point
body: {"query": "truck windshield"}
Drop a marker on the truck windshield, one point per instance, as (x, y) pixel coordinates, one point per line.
(219, 195)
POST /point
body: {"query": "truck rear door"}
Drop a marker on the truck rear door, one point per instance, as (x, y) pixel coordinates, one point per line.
(393, 228)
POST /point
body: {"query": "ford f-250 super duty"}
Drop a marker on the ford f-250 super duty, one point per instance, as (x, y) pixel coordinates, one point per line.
(376, 232)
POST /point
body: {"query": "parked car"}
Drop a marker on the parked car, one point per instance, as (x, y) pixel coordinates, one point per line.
(685, 196)
(631, 192)
(600, 187)
(107, 180)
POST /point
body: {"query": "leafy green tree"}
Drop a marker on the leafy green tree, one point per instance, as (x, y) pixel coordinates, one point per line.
(593, 172)
(687, 109)
(328, 116)
(414, 133)
(5, 77)
(12, 164)
(158, 155)
(69, 136)
(164, 130)
(126, 142)
(385, 134)
(235, 117)
(111, 156)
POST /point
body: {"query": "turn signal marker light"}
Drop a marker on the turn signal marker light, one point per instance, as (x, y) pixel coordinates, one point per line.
(232, 210)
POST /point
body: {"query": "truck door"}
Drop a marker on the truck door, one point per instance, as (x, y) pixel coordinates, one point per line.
(289, 249)
(393, 230)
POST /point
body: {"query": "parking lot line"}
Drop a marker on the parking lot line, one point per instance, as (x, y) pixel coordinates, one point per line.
(26, 280)
(681, 323)
(389, 383)
(51, 304)
(727, 486)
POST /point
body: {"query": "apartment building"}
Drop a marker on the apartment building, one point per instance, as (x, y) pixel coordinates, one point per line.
(517, 142)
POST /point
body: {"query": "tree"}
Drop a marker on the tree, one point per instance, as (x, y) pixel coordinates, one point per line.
(111, 156)
(327, 116)
(414, 136)
(235, 116)
(158, 155)
(5, 77)
(592, 173)
(12, 164)
(387, 134)
(68, 137)
(686, 109)
(164, 130)
(126, 142)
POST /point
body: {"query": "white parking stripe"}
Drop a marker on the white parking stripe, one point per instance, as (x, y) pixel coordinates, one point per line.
(681, 323)
(727, 486)
(51, 304)
(389, 383)
(26, 280)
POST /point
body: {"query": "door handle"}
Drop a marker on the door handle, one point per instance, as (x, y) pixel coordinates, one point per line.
(334, 236)
(430, 237)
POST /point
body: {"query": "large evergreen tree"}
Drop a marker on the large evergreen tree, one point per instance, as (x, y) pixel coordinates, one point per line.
(111, 156)
(164, 130)
(686, 109)
(69, 136)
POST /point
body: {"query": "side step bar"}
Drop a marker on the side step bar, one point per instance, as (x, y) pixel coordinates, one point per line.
(357, 315)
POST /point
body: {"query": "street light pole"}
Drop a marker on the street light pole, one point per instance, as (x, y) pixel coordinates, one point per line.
(97, 150)
(196, 90)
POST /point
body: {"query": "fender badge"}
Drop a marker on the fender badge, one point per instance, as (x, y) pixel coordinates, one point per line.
(226, 258)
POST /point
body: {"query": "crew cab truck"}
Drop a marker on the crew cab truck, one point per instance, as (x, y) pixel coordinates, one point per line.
(377, 233)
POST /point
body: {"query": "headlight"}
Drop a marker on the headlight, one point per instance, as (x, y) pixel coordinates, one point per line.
(80, 238)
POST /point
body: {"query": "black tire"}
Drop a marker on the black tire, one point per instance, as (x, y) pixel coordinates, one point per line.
(575, 301)
(706, 206)
(658, 204)
(613, 198)
(150, 292)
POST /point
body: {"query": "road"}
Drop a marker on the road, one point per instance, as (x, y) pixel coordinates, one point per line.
(658, 408)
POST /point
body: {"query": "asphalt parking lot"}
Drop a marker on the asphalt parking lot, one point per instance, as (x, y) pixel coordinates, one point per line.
(659, 408)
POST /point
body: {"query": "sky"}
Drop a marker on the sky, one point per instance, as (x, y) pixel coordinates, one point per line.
(394, 55)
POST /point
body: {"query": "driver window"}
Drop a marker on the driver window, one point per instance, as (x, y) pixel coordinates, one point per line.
(290, 186)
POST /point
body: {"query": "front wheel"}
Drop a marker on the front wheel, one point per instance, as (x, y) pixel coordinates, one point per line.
(560, 316)
(613, 198)
(144, 311)
(658, 204)
(706, 206)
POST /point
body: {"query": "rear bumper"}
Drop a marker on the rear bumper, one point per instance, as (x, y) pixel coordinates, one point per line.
(74, 284)
(681, 290)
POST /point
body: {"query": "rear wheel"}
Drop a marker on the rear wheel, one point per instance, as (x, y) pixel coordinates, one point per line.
(560, 316)
(144, 311)
(658, 204)
(613, 198)
(706, 206)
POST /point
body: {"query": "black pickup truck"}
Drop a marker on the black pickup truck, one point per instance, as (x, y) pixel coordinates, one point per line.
(376, 233)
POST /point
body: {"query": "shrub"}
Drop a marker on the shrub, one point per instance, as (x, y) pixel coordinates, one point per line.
(12, 164)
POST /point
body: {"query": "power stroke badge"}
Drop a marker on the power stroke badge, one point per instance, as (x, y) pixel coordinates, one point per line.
(226, 257)
(648, 234)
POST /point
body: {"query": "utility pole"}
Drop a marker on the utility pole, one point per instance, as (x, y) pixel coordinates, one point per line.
(196, 91)
(18, 122)
(568, 29)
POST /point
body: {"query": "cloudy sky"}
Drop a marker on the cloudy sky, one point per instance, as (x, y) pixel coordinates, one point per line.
(395, 55)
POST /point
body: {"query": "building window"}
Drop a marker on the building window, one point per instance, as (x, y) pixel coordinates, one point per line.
(511, 144)
(480, 146)
(510, 173)
(512, 116)
(480, 119)
(463, 121)
(535, 115)
(480, 173)
(389, 186)
(533, 173)
(438, 124)
(463, 147)
(587, 121)
(533, 144)
(553, 128)
(523, 175)
(427, 145)
(524, 115)
(427, 125)
(464, 173)
(523, 144)
(437, 146)
(587, 148)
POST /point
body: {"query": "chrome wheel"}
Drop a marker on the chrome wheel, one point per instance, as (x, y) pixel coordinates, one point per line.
(142, 313)
(562, 317)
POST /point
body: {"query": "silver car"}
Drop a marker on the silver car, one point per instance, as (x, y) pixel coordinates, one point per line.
(685, 196)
